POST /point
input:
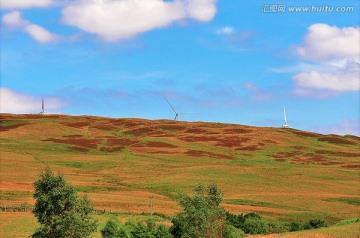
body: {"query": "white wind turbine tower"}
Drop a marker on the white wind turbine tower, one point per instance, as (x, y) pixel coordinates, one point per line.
(285, 125)
(177, 114)
(42, 106)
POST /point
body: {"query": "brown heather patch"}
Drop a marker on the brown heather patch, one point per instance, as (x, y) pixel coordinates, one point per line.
(171, 127)
(77, 124)
(352, 166)
(270, 142)
(238, 130)
(156, 144)
(139, 131)
(200, 153)
(300, 147)
(79, 148)
(10, 127)
(336, 140)
(249, 148)
(120, 142)
(112, 149)
(306, 134)
(284, 155)
(314, 159)
(196, 131)
(77, 142)
(231, 141)
(105, 127)
(337, 153)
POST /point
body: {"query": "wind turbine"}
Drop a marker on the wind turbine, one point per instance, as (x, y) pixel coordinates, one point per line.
(42, 106)
(177, 114)
(285, 125)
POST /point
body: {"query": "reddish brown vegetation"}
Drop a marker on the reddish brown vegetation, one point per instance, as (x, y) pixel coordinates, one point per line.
(196, 131)
(198, 138)
(338, 153)
(352, 166)
(156, 144)
(336, 140)
(120, 142)
(306, 134)
(238, 131)
(77, 124)
(286, 155)
(231, 141)
(10, 127)
(77, 142)
(105, 127)
(171, 127)
(139, 131)
(249, 148)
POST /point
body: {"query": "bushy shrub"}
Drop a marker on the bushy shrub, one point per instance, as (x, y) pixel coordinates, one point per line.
(295, 226)
(233, 232)
(314, 224)
(113, 229)
(254, 226)
(201, 215)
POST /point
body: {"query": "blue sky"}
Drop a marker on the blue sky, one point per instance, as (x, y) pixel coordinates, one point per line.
(225, 61)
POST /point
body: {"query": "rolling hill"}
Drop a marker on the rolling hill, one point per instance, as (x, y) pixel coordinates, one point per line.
(127, 164)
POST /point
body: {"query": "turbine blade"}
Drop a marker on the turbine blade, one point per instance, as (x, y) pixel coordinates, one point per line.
(170, 105)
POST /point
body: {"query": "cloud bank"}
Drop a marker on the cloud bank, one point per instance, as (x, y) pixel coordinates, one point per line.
(38, 33)
(17, 4)
(13, 102)
(335, 56)
(115, 20)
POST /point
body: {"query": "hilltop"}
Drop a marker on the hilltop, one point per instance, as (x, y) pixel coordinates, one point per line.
(127, 164)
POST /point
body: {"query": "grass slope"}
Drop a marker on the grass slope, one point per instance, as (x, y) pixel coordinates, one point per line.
(122, 164)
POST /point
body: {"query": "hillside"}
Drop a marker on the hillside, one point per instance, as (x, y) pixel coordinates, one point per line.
(128, 164)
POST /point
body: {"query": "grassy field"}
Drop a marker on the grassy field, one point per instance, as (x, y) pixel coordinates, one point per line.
(123, 164)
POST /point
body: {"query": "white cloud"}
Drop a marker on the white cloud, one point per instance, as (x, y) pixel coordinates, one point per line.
(324, 42)
(334, 54)
(226, 30)
(13, 102)
(340, 81)
(13, 19)
(38, 33)
(115, 20)
(12, 4)
(350, 127)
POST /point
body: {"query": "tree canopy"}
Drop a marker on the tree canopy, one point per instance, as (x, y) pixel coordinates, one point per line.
(59, 210)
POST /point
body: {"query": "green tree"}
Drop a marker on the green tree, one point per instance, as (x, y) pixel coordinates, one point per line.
(59, 210)
(201, 215)
(114, 229)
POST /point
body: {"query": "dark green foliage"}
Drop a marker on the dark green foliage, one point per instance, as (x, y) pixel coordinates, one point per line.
(201, 215)
(232, 232)
(252, 215)
(113, 229)
(59, 210)
(295, 226)
(276, 226)
(254, 226)
(314, 224)
(235, 220)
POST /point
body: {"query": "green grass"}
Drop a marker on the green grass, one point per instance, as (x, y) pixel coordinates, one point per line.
(351, 201)
(257, 204)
